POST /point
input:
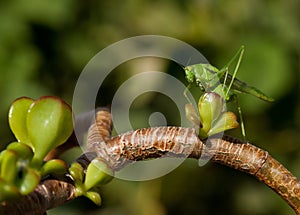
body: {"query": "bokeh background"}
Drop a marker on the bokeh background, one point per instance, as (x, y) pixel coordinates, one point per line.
(44, 45)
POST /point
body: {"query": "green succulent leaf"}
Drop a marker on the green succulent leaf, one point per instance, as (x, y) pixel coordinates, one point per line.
(192, 115)
(54, 166)
(97, 173)
(17, 118)
(210, 107)
(228, 120)
(29, 181)
(94, 196)
(49, 124)
(76, 171)
(8, 191)
(9, 168)
(79, 190)
(22, 150)
(202, 134)
(1, 155)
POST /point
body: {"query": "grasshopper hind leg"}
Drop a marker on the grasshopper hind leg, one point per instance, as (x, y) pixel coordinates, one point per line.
(239, 109)
(227, 91)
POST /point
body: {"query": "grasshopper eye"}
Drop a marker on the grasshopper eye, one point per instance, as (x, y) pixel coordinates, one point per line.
(190, 74)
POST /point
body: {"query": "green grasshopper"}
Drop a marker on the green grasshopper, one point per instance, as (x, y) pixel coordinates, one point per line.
(211, 79)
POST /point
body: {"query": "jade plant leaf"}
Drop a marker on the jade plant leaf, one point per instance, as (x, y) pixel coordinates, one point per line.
(23, 151)
(210, 107)
(54, 166)
(39, 126)
(225, 122)
(8, 191)
(97, 173)
(29, 181)
(192, 115)
(17, 118)
(49, 124)
(94, 196)
(76, 171)
(9, 168)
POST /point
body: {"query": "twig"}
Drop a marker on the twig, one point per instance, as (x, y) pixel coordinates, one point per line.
(181, 142)
(49, 194)
(148, 143)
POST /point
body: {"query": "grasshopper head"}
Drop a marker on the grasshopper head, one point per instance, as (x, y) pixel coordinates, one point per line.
(189, 75)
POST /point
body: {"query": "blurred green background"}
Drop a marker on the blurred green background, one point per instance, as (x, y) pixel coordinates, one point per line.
(44, 45)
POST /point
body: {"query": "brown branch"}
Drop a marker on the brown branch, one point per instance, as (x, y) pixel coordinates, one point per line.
(257, 162)
(49, 194)
(165, 141)
(180, 142)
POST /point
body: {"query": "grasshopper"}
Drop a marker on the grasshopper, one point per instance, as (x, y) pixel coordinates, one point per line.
(211, 79)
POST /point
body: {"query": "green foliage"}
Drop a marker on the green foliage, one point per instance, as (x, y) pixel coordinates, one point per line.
(212, 118)
(210, 107)
(39, 126)
(98, 173)
(17, 119)
(52, 118)
(56, 166)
